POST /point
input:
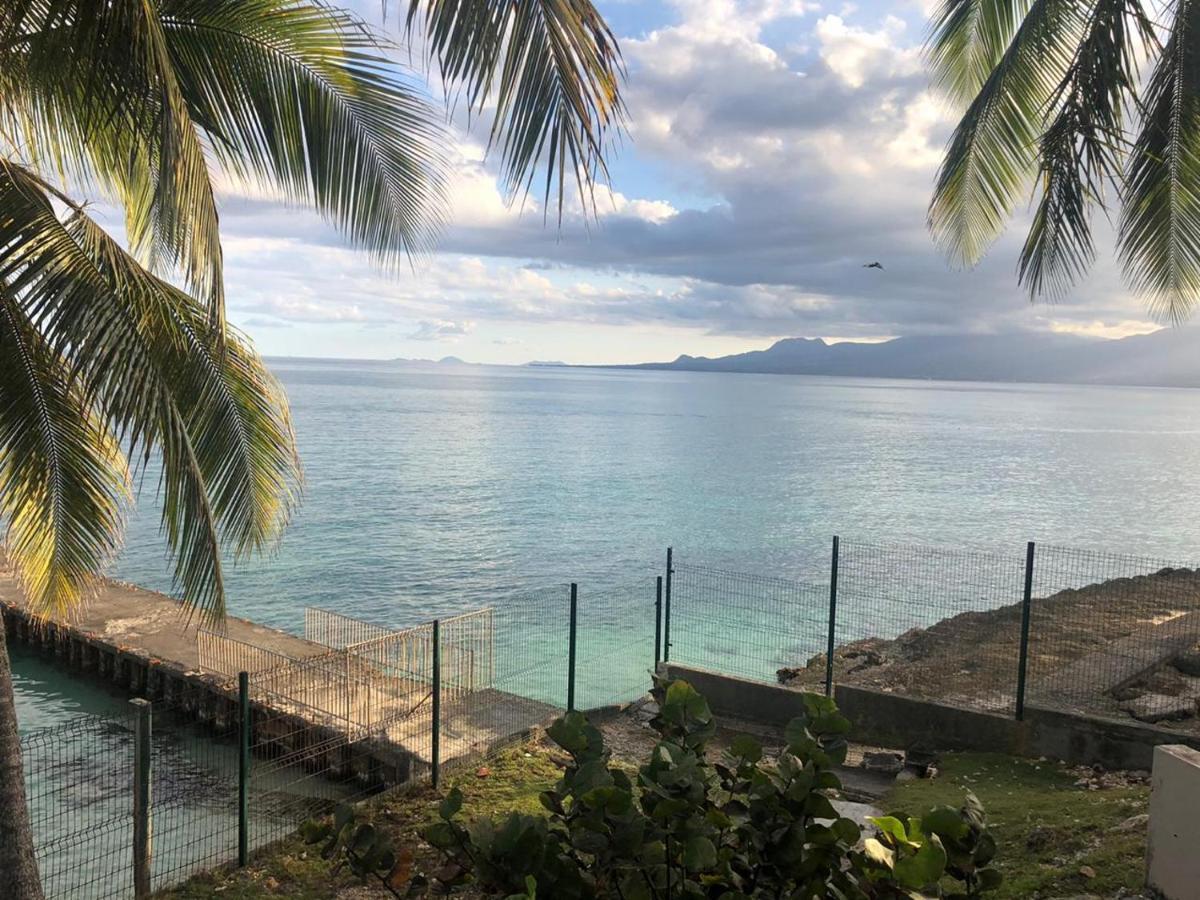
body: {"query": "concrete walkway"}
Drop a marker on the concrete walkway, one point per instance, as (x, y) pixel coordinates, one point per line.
(154, 625)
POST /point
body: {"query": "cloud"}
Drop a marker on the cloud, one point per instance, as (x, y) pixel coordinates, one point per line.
(774, 147)
(441, 331)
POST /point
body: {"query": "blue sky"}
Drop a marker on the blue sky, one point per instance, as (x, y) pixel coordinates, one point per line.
(773, 147)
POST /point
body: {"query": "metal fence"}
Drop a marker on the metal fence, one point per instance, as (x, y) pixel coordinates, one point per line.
(1082, 631)
(372, 705)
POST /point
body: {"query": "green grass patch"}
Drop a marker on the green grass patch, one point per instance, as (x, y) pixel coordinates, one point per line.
(510, 781)
(1050, 833)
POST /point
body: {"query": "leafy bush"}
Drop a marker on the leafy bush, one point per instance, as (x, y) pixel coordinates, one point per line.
(364, 850)
(744, 827)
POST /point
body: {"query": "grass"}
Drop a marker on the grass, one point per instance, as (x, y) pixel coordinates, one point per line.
(1054, 839)
(1049, 832)
(293, 869)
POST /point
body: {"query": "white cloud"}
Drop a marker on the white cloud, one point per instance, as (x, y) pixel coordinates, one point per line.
(441, 330)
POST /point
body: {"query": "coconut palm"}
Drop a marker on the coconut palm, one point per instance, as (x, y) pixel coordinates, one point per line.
(1096, 104)
(115, 355)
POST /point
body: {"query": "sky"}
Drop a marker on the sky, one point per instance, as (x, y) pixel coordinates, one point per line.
(772, 148)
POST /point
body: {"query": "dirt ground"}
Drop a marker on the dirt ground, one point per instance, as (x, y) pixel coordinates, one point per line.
(971, 658)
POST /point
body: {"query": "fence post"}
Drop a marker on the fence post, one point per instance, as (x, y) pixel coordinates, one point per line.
(833, 584)
(243, 768)
(435, 750)
(1026, 608)
(658, 594)
(141, 798)
(666, 655)
(571, 650)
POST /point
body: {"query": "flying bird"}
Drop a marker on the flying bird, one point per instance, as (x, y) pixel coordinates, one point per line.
(873, 265)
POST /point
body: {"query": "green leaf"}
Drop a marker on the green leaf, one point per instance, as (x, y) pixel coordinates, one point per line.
(451, 804)
(946, 822)
(925, 867)
(699, 854)
(746, 748)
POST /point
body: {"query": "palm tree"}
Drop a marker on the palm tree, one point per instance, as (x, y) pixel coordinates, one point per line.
(115, 354)
(1055, 97)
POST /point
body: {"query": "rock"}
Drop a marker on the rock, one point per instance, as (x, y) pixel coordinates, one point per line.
(907, 774)
(885, 761)
(1134, 823)
(1188, 663)
(647, 711)
(1087, 871)
(1160, 707)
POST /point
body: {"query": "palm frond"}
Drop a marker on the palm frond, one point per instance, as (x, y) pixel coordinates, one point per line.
(1081, 151)
(1159, 238)
(967, 38)
(63, 480)
(992, 153)
(144, 357)
(95, 98)
(553, 69)
(301, 98)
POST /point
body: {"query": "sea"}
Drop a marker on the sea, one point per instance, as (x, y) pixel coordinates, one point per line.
(430, 489)
(434, 488)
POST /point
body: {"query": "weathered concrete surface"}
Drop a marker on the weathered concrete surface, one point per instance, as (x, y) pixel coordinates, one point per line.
(893, 720)
(1172, 864)
(153, 625)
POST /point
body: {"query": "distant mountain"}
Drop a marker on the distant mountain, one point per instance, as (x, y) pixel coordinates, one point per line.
(1169, 357)
(545, 363)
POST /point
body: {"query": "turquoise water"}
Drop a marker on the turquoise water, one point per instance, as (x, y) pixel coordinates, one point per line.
(443, 487)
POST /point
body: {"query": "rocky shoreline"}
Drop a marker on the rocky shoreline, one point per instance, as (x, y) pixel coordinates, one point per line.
(972, 658)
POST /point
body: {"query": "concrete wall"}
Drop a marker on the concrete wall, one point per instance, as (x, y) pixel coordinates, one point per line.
(1173, 865)
(894, 720)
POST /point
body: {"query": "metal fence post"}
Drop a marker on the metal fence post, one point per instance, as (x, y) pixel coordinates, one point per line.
(141, 799)
(243, 768)
(435, 750)
(571, 650)
(833, 585)
(666, 655)
(1026, 608)
(658, 611)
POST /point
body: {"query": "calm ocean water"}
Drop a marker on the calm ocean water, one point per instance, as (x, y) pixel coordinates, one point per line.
(438, 487)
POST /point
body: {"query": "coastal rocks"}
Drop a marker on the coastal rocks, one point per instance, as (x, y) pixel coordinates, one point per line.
(1160, 707)
(1188, 663)
(887, 762)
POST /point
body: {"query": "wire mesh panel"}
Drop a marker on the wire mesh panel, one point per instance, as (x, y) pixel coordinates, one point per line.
(222, 655)
(938, 623)
(468, 658)
(193, 793)
(301, 769)
(751, 625)
(79, 784)
(614, 644)
(1111, 635)
(530, 630)
(339, 631)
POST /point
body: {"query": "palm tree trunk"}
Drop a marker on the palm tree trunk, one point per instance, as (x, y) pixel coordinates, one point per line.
(17, 862)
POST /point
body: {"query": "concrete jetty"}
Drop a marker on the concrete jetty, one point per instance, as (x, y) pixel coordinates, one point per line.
(145, 642)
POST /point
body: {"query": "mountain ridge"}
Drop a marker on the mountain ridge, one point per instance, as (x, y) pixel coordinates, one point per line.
(1169, 357)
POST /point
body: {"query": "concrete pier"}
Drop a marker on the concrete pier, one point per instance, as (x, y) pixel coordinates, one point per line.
(145, 642)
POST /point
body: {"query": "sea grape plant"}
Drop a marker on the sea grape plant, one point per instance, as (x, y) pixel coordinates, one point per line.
(685, 826)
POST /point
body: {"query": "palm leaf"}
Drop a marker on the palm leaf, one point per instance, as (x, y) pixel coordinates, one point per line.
(301, 98)
(967, 39)
(1081, 151)
(992, 153)
(143, 353)
(553, 70)
(95, 97)
(1159, 239)
(63, 480)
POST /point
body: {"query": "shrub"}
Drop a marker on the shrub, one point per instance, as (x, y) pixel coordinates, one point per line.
(743, 827)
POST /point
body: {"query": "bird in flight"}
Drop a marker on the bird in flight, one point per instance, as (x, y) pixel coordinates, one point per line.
(873, 265)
